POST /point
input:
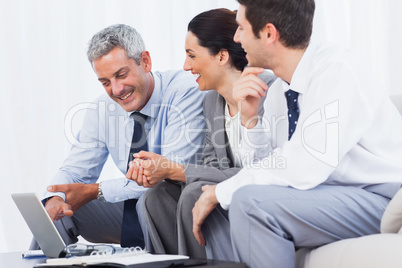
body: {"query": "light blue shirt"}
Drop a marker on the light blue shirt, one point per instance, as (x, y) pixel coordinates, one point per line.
(175, 127)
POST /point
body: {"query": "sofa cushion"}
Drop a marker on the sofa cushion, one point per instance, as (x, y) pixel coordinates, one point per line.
(372, 251)
(391, 221)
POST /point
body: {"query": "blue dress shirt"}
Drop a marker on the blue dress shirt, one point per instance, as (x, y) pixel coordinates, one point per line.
(175, 128)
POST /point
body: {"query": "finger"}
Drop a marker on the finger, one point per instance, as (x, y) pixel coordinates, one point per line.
(144, 155)
(249, 93)
(197, 227)
(129, 174)
(68, 212)
(251, 81)
(199, 236)
(140, 176)
(146, 182)
(205, 187)
(252, 70)
(55, 188)
(136, 169)
(143, 163)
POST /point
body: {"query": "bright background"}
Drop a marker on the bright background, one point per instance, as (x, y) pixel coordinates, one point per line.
(44, 73)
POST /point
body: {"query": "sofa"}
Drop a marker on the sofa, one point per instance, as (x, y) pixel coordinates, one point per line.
(382, 250)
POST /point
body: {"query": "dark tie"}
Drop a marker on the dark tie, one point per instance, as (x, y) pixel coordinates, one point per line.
(293, 110)
(131, 233)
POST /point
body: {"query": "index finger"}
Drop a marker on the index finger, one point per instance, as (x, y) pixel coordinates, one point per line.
(252, 70)
(197, 229)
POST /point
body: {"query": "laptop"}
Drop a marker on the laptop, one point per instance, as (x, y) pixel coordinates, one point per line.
(40, 224)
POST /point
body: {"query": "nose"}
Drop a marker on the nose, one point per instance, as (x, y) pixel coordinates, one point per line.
(186, 65)
(117, 88)
(236, 36)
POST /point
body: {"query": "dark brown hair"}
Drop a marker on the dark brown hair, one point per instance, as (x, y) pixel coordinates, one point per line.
(215, 30)
(292, 18)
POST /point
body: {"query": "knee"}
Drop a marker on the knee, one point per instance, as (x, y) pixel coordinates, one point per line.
(247, 199)
(190, 195)
(149, 198)
(242, 197)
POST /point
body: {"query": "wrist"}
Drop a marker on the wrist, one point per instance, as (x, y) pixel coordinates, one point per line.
(176, 172)
(99, 192)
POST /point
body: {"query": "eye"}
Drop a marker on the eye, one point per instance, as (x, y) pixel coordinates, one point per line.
(105, 84)
(191, 56)
(121, 75)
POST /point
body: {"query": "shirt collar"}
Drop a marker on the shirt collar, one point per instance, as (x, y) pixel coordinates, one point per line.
(151, 108)
(300, 78)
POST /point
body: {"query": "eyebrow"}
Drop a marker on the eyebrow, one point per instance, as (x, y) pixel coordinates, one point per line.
(189, 50)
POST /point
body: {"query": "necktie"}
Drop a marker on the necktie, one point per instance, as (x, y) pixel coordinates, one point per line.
(131, 233)
(293, 110)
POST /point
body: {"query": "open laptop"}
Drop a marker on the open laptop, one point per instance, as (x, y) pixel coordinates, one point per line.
(40, 224)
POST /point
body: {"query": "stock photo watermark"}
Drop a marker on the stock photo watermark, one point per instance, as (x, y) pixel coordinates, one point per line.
(114, 131)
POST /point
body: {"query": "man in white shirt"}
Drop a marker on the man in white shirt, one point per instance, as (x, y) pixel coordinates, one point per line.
(329, 173)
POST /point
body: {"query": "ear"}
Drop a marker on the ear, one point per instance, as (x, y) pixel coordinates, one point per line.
(269, 33)
(223, 56)
(146, 61)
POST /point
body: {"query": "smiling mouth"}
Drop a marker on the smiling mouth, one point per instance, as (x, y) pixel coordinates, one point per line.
(127, 95)
(197, 77)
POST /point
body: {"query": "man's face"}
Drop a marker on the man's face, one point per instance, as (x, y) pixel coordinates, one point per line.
(253, 46)
(125, 81)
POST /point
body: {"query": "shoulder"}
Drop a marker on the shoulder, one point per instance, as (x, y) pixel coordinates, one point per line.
(176, 80)
(178, 86)
(211, 96)
(211, 103)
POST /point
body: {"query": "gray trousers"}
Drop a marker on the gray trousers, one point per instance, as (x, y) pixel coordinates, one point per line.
(96, 222)
(167, 218)
(267, 224)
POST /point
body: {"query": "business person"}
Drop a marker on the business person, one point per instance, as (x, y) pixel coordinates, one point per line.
(140, 110)
(343, 154)
(216, 62)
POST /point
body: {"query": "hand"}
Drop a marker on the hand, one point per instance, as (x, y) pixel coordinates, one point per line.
(247, 92)
(77, 194)
(135, 173)
(57, 208)
(202, 208)
(149, 169)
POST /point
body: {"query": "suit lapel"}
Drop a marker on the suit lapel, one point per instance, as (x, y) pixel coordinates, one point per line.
(220, 137)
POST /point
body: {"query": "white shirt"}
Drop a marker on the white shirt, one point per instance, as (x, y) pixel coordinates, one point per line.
(348, 132)
(232, 128)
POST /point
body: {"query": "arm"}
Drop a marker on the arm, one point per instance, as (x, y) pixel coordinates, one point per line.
(323, 137)
(211, 168)
(74, 183)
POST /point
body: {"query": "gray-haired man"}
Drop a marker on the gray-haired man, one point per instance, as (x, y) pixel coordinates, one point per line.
(168, 106)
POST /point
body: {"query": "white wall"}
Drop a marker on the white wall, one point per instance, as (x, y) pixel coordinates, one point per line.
(44, 72)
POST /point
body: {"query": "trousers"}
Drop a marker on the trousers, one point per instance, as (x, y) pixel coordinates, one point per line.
(266, 224)
(167, 217)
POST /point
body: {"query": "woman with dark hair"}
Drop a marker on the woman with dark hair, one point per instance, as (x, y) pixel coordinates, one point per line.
(216, 62)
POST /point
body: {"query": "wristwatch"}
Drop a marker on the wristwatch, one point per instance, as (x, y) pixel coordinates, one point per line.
(100, 196)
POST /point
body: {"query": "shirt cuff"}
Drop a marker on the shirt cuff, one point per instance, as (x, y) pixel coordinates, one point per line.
(49, 195)
(121, 189)
(225, 190)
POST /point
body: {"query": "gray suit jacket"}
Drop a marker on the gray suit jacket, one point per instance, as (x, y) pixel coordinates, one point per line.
(217, 159)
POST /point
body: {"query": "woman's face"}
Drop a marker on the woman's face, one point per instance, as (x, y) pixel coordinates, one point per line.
(205, 67)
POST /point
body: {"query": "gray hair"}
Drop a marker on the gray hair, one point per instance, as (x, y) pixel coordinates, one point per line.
(118, 35)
